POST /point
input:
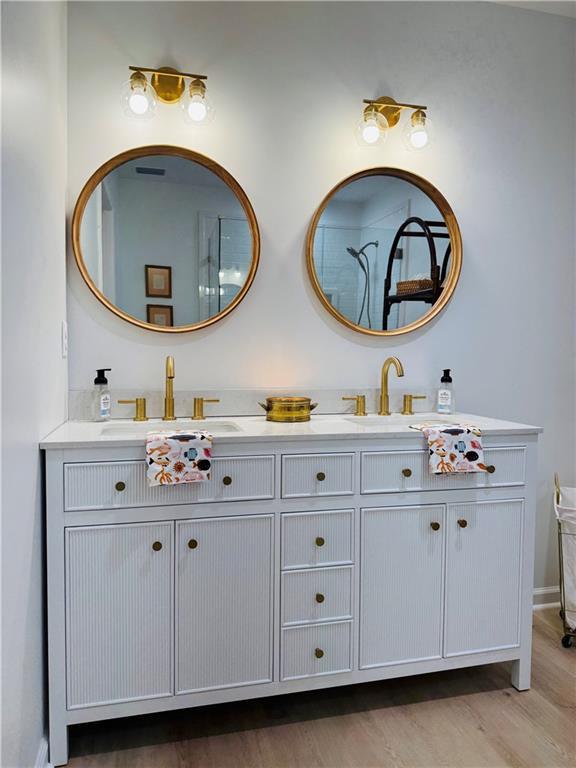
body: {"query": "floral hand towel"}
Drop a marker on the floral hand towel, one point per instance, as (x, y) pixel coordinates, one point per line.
(453, 448)
(178, 457)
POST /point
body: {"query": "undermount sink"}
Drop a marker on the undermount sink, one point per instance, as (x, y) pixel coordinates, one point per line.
(137, 429)
(399, 418)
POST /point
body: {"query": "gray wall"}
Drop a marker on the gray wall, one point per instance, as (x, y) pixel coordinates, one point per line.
(505, 165)
(33, 372)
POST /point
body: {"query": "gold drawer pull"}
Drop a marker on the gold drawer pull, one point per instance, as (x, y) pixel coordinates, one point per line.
(490, 469)
(319, 597)
(435, 526)
(407, 472)
(462, 523)
(157, 546)
(318, 652)
(120, 486)
(227, 480)
(320, 541)
(321, 477)
(193, 543)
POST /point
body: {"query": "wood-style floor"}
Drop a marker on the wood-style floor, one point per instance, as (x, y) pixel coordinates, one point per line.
(462, 718)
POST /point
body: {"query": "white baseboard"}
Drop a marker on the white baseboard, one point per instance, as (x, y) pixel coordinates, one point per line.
(545, 597)
(42, 755)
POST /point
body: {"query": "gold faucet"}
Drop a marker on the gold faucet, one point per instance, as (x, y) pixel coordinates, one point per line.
(384, 398)
(169, 394)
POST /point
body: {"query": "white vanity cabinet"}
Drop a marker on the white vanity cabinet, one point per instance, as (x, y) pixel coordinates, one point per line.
(308, 560)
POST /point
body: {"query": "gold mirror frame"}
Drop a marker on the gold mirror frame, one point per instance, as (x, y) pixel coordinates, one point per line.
(455, 239)
(188, 154)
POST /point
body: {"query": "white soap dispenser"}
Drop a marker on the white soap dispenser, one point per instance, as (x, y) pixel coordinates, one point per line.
(445, 395)
(101, 396)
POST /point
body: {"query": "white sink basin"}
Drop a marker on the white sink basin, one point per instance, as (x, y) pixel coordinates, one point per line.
(140, 428)
(398, 418)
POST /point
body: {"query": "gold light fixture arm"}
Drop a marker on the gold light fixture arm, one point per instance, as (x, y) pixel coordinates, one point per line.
(168, 72)
(378, 103)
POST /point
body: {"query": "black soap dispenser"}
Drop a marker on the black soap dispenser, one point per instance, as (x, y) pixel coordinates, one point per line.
(445, 395)
(101, 396)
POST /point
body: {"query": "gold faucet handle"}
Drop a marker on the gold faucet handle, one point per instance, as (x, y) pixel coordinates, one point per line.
(407, 403)
(140, 403)
(360, 401)
(199, 406)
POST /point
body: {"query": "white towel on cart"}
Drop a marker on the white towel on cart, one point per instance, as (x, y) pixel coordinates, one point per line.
(565, 509)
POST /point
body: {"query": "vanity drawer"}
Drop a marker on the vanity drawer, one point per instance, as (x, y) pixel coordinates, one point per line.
(322, 649)
(397, 471)
(105, 485)
(319, 594)
(317, 474)
(311, 539)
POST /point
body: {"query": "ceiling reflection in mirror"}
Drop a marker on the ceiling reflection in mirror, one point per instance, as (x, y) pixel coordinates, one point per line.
(165, 241)
(381, 252)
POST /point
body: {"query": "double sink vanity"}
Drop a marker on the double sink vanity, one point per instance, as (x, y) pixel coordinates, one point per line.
(318, 554)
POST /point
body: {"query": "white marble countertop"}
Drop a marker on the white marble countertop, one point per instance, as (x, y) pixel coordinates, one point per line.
(119, 433)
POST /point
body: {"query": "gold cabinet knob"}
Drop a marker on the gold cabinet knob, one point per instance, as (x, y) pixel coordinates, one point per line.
(319, 597)
(407, 472)
(321, 477)
(227, 480)
(318, 652)
(490, 469)
(320, 541)
(157, 546)
(120, 486)
(435, 526)
(193, 543)
(462, 523)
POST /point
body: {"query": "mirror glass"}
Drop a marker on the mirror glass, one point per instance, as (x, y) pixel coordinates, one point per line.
(168, 241)
(384, 251)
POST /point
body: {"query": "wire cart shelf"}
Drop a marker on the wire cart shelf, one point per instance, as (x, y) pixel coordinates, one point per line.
(565, 509)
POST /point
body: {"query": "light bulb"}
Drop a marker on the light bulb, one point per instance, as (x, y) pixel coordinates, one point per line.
(138, 97)
(197, 109)
(372, 128)
(418, 133)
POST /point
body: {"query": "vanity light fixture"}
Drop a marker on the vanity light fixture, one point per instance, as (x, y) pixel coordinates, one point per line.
(168, 85)
(379, 115)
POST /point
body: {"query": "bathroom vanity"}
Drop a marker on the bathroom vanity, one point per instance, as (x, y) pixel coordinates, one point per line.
(319, 554)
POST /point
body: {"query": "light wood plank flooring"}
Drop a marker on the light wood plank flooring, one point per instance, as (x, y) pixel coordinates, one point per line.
(463, 718)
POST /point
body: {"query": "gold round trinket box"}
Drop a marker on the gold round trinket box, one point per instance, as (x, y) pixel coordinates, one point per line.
(288, 409)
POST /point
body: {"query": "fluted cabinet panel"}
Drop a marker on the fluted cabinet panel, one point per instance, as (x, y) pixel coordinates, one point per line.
(105, 485)
(224, 602)
(316, 538)
(119, 622)
(318, 594)
(396, 471)
(401, 583)
(319, 649)
(483, 576)
(318, 474)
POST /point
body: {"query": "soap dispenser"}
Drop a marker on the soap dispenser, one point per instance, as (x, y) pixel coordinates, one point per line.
(101, 396)
(445, 396)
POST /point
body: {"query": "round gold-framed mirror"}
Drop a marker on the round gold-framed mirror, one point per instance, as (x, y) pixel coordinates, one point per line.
(384, 251)
(165, 238)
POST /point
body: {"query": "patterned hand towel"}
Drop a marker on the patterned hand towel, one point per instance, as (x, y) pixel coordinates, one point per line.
(178, 457)
(453, 448)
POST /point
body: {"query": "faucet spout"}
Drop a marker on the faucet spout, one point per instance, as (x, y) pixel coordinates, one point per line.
(169, 391)
(384, 393)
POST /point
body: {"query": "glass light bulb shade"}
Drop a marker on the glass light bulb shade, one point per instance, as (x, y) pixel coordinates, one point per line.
(138, 100)
(372, 129)
(197, 109)
(418, 133)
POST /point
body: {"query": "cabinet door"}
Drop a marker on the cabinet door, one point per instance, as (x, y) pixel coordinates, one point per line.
(224, 602)
(484, 545)
(119, 596)
(401, 584)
